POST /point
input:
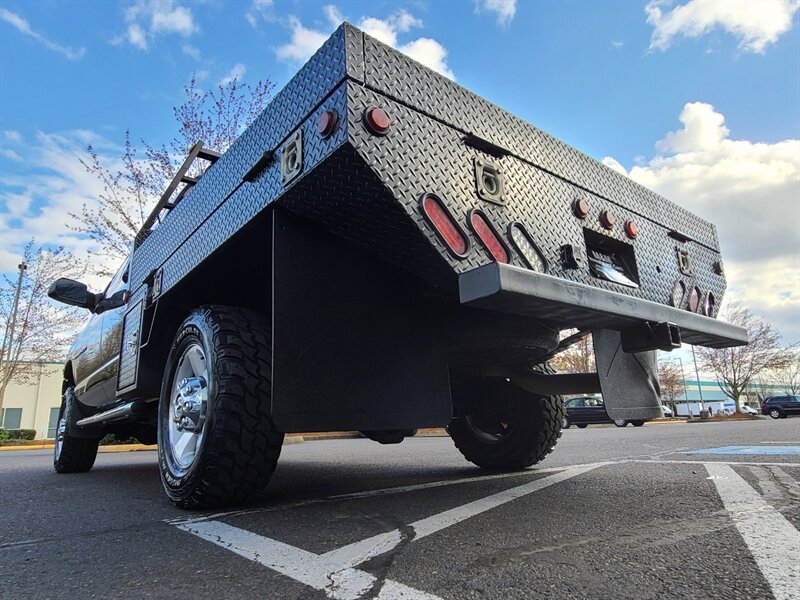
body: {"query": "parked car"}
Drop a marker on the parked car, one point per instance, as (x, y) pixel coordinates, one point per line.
(780, 407)
(587, 410)
(749, 410)
(667, 411)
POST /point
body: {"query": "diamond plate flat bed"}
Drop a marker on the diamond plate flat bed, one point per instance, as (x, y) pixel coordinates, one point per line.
(366, 188)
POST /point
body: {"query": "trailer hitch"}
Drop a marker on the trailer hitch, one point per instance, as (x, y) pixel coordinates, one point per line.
(651, 336)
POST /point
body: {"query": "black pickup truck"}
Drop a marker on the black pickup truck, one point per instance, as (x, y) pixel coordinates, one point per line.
(381, 250)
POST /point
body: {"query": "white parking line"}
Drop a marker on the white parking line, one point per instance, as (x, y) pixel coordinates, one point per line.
(771, 538)
(334, 572)
(792, 486)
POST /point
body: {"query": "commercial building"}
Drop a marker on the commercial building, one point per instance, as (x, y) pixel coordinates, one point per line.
(35, 404)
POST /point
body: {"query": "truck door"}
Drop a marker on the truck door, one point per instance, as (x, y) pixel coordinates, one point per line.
(87, 362)
(112, 334)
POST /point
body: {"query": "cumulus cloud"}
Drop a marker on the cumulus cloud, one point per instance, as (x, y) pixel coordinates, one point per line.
(503, 10)
(755, 23)
(37, 196)
(259, 8)
(22, 25)
(237, 72)
(751, 192)
(147, 19)
(304, 41)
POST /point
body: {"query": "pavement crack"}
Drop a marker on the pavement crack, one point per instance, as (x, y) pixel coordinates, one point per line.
(381, 565)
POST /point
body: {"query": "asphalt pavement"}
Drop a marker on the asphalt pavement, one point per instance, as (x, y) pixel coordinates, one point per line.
(612, 513)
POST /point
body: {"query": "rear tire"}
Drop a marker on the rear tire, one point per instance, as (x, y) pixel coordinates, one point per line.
(620, 422)
(584, 426)
(501, 427)
(72, 454)
(218, 377)
(565, 423)
(637, 423)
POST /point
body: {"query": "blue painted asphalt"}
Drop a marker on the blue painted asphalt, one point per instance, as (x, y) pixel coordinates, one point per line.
(753, 450)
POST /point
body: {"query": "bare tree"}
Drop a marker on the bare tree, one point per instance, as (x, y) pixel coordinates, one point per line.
(134, 183)
(671, 381)
(578, 358)
(788, 376)
(42, 328)
(736, 368)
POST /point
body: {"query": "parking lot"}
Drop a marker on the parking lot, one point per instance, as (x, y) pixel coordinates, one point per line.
(622, 513)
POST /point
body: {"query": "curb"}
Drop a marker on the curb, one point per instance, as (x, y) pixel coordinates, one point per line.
(288, 440)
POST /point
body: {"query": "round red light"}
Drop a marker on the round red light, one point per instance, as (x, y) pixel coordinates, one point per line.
(580, 208)
(607, 219)
(377, 120)
(631, 229)
(326, 124)
(694, 299)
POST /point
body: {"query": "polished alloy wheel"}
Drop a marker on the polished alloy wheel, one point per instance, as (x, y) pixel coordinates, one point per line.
(189, 405)
(62, 428)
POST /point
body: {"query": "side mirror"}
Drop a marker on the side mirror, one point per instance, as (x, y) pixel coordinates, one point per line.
(115, 300)
(74, 293)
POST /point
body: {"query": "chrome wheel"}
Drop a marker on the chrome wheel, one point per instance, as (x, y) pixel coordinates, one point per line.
(620, 422)
(189, 405)
(60, 432)
(775, 414)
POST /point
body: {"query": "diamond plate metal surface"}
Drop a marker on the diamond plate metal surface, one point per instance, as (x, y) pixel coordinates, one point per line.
(416, 86)
(126, 376)
(366, 188)
(315, 80)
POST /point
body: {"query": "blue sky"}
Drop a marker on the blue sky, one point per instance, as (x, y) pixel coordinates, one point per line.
(698, 100)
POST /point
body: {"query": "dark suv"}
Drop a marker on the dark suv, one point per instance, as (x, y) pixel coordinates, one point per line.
(779, 407)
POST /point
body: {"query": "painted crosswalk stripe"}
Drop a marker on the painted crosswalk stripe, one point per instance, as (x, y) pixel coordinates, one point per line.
(770, 537)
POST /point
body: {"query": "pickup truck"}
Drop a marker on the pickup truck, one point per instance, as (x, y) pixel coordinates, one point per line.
(381, 250)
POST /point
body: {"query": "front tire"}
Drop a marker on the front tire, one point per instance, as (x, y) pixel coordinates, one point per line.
(216, 440)
(565, 423)
(620, 422)
(775, 413)
(72, 454)
(501, 427)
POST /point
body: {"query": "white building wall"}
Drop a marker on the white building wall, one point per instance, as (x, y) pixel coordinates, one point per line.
(37, 397)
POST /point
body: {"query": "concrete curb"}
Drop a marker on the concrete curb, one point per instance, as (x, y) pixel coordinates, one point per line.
(289, 439)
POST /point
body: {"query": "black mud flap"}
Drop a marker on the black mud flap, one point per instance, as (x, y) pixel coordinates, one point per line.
(629, 381)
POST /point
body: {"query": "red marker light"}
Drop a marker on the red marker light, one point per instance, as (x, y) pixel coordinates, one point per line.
(448, 231)
(377, 120)
(326, 123)
(607, 219)
(485, 232)
(580, 208)
(631, 229)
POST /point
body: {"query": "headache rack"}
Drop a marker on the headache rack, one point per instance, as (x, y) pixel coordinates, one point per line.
(166, 203)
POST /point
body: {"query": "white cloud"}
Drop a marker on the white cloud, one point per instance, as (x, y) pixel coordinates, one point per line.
(334, 15)
(37, 197)
(259, 8)
(751, 192)
(13, 136)
(191, 51)
(304, 42)
(504, 10)
(21, 25)
(755, 23)
(147, 19)
(617, 43)
(10, 154)
(237, 72)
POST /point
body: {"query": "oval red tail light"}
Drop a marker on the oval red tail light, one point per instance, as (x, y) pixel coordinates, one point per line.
(488, 237)
(444, 225)
(694, 299)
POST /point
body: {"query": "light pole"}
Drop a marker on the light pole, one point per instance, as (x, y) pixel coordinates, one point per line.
(697, 374)
(8, 338)
(685, 391)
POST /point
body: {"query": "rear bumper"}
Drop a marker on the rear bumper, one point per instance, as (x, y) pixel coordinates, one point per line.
(514, 290)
